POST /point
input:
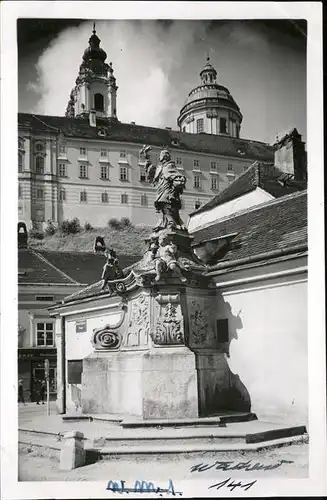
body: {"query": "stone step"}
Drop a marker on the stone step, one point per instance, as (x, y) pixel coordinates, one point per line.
(254, 432)
(219, 420)
(76, 417)
(154, 452)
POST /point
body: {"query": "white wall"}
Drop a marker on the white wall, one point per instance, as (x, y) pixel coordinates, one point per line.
(78, 345)
(268, 347)
(255, 197)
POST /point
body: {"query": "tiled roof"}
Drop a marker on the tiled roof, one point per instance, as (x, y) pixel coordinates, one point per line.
(93, 290)
(125, 132)
(32, 268)
(263, 175)
(84, 267)
(276, 225)
(63, 267)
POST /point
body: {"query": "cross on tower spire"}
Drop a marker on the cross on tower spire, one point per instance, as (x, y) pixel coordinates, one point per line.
(94, 32)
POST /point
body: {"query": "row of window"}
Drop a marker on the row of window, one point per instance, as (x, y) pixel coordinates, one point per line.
(123, 198)
(62, 169)
(104, 197)
(62, 197)
(200, 126)
(123, 175)
(213, 182)
(104, 172)
(122, 154)
(83, 152)
(39, 194)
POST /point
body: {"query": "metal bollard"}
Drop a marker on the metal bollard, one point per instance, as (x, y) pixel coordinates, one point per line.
(72, 453)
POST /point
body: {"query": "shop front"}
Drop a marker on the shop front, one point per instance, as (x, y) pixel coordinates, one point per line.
(31, 370)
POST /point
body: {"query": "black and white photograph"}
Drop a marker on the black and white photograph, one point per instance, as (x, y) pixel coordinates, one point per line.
(162, 303)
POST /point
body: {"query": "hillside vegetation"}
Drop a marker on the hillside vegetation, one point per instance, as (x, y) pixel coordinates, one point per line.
(127, 241)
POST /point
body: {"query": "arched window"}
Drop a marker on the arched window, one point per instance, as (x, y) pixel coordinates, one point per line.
(39, 165)
(98, 102)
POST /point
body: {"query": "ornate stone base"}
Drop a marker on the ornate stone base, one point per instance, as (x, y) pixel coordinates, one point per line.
(161, 383)
(161, 360)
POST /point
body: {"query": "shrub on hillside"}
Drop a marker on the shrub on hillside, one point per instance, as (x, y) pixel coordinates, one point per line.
(114, 223)
(121, 224)
(37, 234)
(88, 226)
(51, 228)
(71, 226)
(125, 222)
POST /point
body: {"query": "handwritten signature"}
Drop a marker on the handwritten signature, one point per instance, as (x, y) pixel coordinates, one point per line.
(247, 466)
(231, 484)
(142, 487)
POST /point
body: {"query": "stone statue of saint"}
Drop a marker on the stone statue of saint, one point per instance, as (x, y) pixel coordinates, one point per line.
(111, 270)
(169, 184)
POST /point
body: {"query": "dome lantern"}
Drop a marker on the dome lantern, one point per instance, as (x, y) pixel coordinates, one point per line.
(208, 74)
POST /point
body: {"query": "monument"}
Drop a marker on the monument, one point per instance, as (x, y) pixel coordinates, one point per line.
(151, 327)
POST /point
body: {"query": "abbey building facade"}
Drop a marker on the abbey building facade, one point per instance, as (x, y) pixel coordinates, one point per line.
(87, 164)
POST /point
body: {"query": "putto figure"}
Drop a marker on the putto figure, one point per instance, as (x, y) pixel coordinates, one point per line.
(167, 259)
(169, 183)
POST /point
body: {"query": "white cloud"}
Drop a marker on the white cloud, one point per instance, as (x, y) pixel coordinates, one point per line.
(144, 55)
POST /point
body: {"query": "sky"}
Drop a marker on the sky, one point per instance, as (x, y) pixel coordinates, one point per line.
(157, 63)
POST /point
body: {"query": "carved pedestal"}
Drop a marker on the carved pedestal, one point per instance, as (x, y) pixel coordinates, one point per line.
(161, 360)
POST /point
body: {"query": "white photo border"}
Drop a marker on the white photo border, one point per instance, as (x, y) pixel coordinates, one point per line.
(315, 485)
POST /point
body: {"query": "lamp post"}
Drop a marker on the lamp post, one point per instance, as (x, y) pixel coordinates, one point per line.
(46, 373)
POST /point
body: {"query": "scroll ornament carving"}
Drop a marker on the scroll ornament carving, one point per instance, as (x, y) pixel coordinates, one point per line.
(105, 339)
(168, 329)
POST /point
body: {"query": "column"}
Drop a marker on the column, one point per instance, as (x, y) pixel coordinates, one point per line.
(27, 184)
(60, 345)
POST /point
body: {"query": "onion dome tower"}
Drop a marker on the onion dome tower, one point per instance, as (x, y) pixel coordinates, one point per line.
(210, 108)
(95, 88)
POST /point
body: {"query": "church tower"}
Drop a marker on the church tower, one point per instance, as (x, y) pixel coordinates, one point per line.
(95, 88)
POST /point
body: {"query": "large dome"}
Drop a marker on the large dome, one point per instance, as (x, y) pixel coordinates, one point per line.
(210, 107)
